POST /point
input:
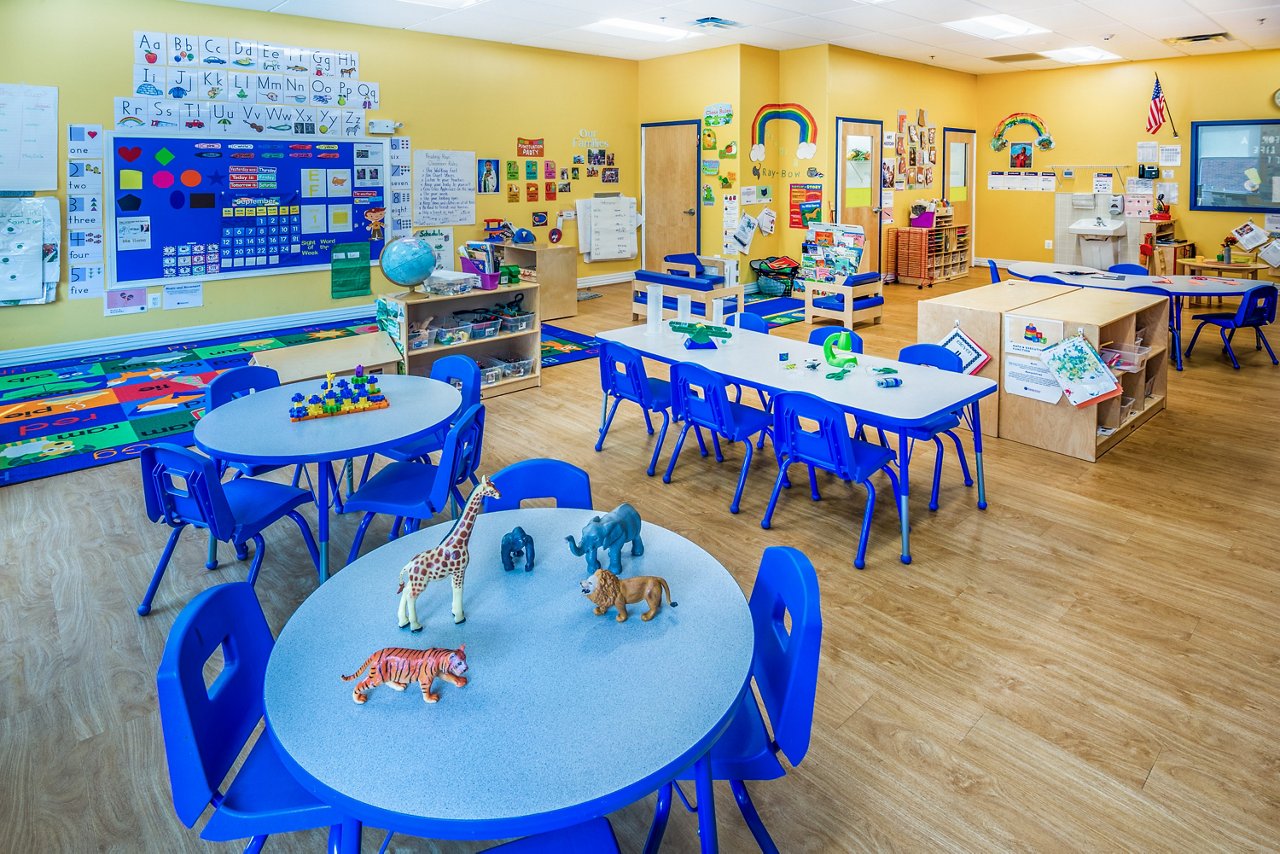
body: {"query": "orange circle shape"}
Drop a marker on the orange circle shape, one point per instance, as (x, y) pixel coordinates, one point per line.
(191, 178)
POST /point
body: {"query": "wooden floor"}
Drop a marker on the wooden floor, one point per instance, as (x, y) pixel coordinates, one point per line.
(1092, 664)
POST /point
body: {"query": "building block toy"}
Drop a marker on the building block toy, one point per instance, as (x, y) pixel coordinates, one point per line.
(341, 397)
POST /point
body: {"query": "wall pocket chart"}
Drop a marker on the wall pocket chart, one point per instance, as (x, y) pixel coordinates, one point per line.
(196, 209)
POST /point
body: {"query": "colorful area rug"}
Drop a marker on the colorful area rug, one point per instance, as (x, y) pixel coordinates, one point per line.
(778, 311)
(562, 346)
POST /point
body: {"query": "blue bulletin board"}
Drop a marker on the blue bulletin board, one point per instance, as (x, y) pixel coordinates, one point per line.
(191, 209)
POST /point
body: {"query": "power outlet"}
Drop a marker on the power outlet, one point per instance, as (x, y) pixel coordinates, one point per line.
(153, 300)
(1048, 244)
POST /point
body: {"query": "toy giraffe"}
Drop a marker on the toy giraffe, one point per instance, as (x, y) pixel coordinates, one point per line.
(449, 558)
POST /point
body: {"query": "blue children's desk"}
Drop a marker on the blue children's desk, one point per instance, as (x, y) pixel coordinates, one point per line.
(256, 429)
(752, 359)
(567, 715)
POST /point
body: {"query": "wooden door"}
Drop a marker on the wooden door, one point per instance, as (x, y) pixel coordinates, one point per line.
(859, 179)
(958, 174)
(669, 190)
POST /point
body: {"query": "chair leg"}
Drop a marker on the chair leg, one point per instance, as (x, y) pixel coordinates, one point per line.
(661, 812)
(675, 453)
(702, 445)
(297, 476)
(145, 607)
(1194, 337)
(307, 538)
(657, 449)
(1226, 345)
(939, 450)
(715, 443)
(255, 845)
(773, 496)
(1267, 344)
(259, 549)
(752, 817)
(212, 561)
(368, 467)
(355, 546)
(648, 422)
(242, 551)
(860, 560)
(608, 421)
(964, 463)
(395, 528)
(742, 478)
(814, 494)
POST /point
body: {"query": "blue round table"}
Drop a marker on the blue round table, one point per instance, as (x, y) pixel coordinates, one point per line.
(567, 715)
(256, 429)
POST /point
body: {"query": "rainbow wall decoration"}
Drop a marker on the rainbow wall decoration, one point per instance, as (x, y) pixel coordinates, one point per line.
(787, 112)
(1044, 142)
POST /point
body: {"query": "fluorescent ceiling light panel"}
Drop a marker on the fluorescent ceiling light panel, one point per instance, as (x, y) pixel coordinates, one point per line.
(995, 27)
(638, 30)
(1078, 55)
(445, 4)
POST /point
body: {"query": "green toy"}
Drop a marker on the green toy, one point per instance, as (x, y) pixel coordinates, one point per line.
(884, 370)
(700, 334)
(838, 351)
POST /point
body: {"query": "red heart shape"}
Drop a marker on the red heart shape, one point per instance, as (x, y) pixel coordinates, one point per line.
(129, 154)
(92, 134)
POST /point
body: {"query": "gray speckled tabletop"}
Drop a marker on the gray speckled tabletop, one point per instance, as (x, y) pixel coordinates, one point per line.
(566, 715)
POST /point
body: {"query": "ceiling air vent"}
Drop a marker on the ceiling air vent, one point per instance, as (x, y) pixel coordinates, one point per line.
(1016, 57)
(1201, 39)
(714, 23)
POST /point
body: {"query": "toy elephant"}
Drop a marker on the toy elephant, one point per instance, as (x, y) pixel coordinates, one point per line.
(516, 543)
(610, 532)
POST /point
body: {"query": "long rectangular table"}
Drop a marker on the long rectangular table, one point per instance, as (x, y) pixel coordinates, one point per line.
(752, 358)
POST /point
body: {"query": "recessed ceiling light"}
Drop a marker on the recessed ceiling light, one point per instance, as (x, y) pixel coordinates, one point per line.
(446, 4)
(638, 30)
(1078, 55)
(995, 27)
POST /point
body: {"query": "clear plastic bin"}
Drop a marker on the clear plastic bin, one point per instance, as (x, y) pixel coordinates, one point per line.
(422, 339)
(490, 369)
(450, 332)
(519, 323)
(1126, 408)
(1129, 358)
(451, 285)
(512, 367)
(1149, 389)
(485, 329)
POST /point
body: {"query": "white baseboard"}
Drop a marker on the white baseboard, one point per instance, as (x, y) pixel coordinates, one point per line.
(181, 335)
(606, 279)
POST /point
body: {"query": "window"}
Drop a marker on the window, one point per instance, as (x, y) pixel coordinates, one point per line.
(1235, 166)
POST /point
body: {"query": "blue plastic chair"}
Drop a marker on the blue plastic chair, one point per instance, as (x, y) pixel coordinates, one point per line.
(182, 488)
(1048, 280)
(785, 668)
(622, 377)
(936, 356)
(590, 837)
(700, 398)
(417, 491)
(748, 320)
(820, 335)
(462, 373)
(238, 382)
(569, 485)
(205, 729)
(1129, 269)
(830, 448)
(1257, 309)
(995, 271)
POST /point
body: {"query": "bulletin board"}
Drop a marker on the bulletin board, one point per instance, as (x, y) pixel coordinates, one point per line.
(1235, 166)
(184, 208)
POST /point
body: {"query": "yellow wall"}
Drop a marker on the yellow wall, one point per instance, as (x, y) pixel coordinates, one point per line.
(448, 92)
(1098, 114)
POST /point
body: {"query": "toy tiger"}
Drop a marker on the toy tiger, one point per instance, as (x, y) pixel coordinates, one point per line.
(398, 666)
(607, 590)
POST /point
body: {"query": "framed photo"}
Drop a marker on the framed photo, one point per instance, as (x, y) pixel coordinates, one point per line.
(1020, 156)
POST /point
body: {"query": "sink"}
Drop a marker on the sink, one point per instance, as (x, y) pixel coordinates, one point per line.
(1097, 227)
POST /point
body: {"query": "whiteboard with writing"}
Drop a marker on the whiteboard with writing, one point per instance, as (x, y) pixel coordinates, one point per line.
(607, 228)
(444, 187)
(28, 137)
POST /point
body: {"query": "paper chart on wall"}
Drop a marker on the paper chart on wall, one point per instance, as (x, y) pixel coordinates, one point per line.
(28, 137)
(21, 261)
(745, 233)
(1171, 155)
(444, 188)
(768, 220)
(48, 210)
(729, 201)
(1169, 191)
(441, 240)
(1148, 152)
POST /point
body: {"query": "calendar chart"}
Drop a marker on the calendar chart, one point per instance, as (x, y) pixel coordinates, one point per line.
(184, 208)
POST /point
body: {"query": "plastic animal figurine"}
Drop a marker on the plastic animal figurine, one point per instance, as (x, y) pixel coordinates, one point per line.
(449, 558)
(607, 591)
(516, 543)
(398, 666)
(610, 532)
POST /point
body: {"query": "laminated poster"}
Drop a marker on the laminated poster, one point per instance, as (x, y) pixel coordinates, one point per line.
(1030, 378)
(972, 357)
(1028, 336)
(1080, 372)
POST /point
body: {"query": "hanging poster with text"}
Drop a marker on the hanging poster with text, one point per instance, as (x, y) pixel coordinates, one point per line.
(806, 204)
(444, 187)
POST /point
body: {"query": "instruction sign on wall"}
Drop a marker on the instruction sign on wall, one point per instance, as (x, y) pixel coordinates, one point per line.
(444, 187)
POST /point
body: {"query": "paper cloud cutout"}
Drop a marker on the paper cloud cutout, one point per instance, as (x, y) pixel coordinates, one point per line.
(757, 152)
(806, 150)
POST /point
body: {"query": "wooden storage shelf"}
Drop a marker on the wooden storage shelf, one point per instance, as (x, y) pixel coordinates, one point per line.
(526, 344)
(554, 268)
(923, 256)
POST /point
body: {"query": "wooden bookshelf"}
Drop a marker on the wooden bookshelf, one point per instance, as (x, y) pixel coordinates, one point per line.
(923, 256)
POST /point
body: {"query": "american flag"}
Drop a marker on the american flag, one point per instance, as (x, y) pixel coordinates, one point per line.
(1155, 115)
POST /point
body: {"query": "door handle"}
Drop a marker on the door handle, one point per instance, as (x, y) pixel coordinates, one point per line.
(691, 212)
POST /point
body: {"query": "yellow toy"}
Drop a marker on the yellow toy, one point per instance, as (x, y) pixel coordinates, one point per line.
(341, 397)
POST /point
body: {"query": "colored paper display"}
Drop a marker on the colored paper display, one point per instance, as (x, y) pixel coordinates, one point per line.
(805, 204)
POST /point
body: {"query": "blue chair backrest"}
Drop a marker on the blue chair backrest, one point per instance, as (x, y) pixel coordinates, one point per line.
(747, 320)
(1257, 306)
(828, 447)
(685, 258)
(238, 382)
(1048, 280)
(569, 485)
(820, 335)
(1129, 269)
(179, 486)
(460, 456)
(206, 728)
(785, 664)
(622, 373)
(933, 355)
(462, 373)
(701, 397)
(995, 271)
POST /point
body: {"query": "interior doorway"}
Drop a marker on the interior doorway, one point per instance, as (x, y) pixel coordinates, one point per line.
(958, 176)
(859, 179)
(669, 190)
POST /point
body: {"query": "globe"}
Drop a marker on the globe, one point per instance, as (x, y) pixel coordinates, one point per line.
(408, 261)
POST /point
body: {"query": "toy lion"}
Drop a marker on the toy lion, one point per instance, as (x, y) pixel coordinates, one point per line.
(607, 591)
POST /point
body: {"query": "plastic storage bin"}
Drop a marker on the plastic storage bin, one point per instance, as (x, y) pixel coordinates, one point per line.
(1126, 408)
(485, 328)
(450, 332)
(446, 283)
(519, 323)
(490, 369)
(1128, 358)
(513, 367)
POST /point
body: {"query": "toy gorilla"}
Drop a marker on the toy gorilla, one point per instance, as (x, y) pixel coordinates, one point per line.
(517, 543)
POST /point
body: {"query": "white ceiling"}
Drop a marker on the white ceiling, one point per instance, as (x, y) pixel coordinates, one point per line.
(905, 29)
